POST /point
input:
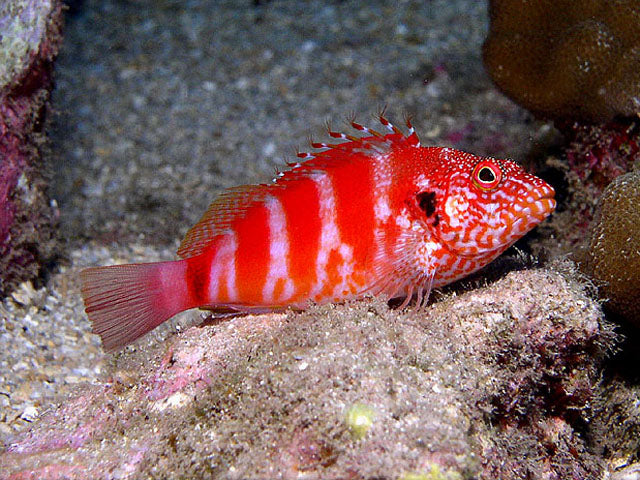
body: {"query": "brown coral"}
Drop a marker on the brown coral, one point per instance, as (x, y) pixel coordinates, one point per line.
(562, 58)
(614, 248)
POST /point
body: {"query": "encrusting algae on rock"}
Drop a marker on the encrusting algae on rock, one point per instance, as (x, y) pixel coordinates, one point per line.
(30, 36)
(359, 418)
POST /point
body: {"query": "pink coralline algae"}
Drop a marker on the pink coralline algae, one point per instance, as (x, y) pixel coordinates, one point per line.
(593, 157)
(31, 34)
(599, 153)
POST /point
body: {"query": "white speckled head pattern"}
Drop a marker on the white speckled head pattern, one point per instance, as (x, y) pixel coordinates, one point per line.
(489, 204)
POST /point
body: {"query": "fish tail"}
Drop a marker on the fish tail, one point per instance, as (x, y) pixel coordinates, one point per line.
(124, 302)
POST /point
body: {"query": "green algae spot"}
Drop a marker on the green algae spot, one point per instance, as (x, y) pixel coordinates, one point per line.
(434, 474)
(359, 419)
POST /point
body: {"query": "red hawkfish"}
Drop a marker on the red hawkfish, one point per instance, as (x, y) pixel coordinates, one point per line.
(375, 214)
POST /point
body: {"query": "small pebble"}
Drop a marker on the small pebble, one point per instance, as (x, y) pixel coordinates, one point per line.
(30, 414)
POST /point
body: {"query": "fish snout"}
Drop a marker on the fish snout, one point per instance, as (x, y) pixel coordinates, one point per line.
(542, 203)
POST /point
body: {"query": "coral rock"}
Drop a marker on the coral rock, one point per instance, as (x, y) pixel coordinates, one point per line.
(562, 58)
(613, 256)
(487, 384)
(615, 424)
(28, 45)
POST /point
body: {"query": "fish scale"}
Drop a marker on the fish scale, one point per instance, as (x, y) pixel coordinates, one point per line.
(376, 214)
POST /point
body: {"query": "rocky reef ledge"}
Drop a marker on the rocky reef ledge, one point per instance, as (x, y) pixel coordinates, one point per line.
(492, 383)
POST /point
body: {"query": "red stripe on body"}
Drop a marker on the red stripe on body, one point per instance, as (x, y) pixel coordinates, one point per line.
(252, 255)
(278, 289)
(300, 202)
(197, 278)
(333, 275)
(354, 193)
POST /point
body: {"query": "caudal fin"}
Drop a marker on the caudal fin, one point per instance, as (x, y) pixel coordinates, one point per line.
(124, 302)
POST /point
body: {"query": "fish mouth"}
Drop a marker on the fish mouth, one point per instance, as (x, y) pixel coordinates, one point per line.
(543, 205)
(530, 214)
(532, 211)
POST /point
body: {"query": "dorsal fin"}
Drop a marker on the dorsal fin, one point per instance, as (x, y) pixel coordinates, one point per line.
(228, 207)
(233, 203)
(373, 143)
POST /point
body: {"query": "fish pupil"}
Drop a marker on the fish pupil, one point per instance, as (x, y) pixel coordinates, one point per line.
(486, 175)
(427, 202)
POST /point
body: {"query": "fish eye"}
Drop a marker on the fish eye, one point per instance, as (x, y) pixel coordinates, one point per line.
(486, 175)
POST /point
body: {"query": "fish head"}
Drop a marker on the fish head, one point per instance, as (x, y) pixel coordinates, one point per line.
(483, 204)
